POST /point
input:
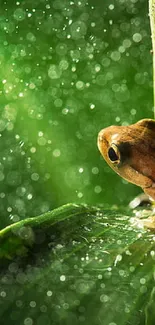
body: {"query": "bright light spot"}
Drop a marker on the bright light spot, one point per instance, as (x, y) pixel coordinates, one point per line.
(41, 141)
(32, 304)
(104, 298)
(65, 111)
(32, 85)
(133, 111)
(92, 106)
(95, 170)
(35, 177)
(118, 259)
(142, 280)
(97, 189)
(28, 321)
(137, 37)
(127, 43)
(33, 150)
(62, 278)
(97, 67)
(117, 119)
(29, 197)
(80, 195)
(115, 56)
(56, 153)
(3, 294)
(111, 7)
(80, 85)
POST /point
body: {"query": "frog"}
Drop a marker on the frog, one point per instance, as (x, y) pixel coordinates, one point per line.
(130, 151)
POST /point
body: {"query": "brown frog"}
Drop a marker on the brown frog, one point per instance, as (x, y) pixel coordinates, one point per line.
(130, 152)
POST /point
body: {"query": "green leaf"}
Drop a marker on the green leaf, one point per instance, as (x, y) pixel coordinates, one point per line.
(77, 265)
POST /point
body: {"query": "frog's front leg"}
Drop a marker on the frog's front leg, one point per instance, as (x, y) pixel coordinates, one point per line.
(143, 221)
(150, 191)
(142, 200)
(150, 221)
(144, 218)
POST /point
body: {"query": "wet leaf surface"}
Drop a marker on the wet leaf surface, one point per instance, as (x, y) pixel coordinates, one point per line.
(77, 264)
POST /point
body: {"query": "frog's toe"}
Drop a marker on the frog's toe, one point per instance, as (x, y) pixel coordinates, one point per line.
(140, 200)
(149, 223)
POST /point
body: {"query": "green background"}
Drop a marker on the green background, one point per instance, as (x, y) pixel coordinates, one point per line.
(67, 70)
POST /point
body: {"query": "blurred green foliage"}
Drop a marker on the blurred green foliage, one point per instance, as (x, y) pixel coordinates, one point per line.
(68, 69)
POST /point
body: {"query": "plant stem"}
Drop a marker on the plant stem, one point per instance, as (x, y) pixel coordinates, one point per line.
(152, 24)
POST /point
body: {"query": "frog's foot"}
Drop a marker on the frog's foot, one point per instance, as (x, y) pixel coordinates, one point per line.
(149, 223)
(141, 200)
(143, 222)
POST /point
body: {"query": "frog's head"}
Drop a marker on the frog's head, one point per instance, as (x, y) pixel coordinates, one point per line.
(129, 152)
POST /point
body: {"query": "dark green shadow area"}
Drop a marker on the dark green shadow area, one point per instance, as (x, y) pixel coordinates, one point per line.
(77, 265)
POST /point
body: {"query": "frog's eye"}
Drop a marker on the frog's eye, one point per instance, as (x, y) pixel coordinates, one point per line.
(114, 154)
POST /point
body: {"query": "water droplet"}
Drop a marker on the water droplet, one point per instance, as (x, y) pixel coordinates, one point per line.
(80, 195)
(65, 111)
(54, 71)
(133, 111)
(41, 141)
(19, 14)
(80, 85)
(98, 189)
(127, 43)
(142, 280)
(111, 7)
(115, 56)
(63, 64)
(28, 321)
(31, 37)
(29, 197)
(35, 177)
(33, 150)
(62, 278)
(137, 37)
(58, 102)
(95, 170)
(92, 106)
(61, 49)
(104, 298)
(3, 294)
(56, 153)
(78, 29)
(32, 304)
